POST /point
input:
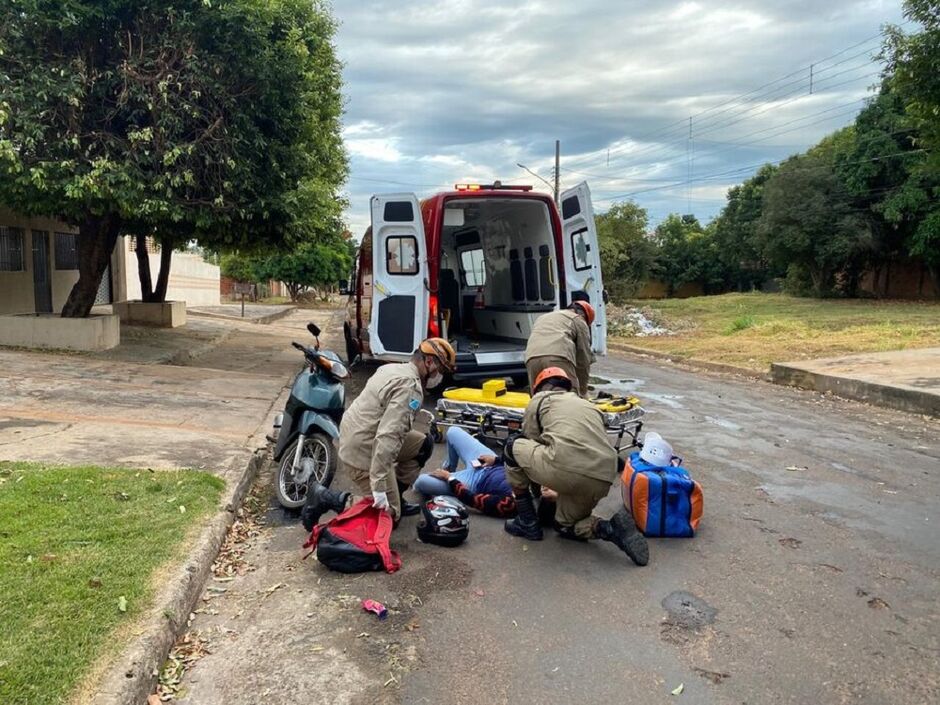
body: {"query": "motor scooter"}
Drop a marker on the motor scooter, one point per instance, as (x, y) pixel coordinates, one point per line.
(305, 434)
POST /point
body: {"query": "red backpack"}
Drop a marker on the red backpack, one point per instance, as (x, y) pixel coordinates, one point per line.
(355, 541)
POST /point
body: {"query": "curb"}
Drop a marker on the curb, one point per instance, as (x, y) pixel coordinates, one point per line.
(133, 676)
(263, 320)
(181, 357)
(902, 399)
(691, 362)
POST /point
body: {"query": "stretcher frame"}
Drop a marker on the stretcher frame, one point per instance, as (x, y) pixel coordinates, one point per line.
(493, 424)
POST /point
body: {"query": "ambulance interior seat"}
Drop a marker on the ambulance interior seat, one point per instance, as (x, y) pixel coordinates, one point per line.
(515, 277)
(545, 274)
(531, 276)
(449, 297)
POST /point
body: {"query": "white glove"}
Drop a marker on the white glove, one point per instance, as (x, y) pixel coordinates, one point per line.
(380, 500)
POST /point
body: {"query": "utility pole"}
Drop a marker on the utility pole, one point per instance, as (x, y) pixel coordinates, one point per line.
(689, 152)
(557, 164)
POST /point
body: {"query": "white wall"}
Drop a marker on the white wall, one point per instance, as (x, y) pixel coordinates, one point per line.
(191, 278)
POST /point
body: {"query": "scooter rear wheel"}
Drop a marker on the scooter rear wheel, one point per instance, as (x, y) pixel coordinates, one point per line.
(290, 487)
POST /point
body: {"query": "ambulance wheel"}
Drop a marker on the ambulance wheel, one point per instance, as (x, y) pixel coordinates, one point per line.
(352, 350)
(318, 462)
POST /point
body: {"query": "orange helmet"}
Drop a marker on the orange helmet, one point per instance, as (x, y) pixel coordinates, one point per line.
(550, 373)
(442, 350)
(587, 308)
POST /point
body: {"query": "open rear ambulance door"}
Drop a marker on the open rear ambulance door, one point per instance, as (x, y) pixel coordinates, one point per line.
(400, 269)
(583, 257)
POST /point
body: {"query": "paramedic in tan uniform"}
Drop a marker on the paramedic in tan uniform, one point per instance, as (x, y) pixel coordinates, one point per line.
(562, 339)
(377, 446)
(564, 446)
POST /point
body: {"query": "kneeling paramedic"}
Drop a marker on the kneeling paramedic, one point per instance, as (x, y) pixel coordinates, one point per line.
(378, 447)
(564, 446)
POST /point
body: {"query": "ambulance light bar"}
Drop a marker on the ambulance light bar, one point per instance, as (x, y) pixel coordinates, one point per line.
(496, 185)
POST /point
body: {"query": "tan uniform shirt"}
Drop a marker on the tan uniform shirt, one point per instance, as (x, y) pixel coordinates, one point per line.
(375, 425)
(565, 433)
(563, 333)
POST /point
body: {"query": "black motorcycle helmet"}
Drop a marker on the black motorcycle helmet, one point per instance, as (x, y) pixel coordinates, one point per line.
(444, 521)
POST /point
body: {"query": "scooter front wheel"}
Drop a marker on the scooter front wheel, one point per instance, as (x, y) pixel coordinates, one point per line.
(317, 462)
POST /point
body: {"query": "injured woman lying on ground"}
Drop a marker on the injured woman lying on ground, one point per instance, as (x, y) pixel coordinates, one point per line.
(481, 483)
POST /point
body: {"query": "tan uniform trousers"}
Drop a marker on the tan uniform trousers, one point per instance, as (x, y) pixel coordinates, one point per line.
(535, 365)
(577, 494)
(406, 470)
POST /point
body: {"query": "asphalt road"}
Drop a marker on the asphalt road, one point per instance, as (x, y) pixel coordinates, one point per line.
(813, 579)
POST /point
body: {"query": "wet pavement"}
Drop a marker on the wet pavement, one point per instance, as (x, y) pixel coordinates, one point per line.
(813, 579)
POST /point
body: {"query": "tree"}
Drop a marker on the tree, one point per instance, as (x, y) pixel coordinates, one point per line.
(884, 173)
(913, 69)
(681, 242)
(736, 242)
(184, 119)
(313, 265)
(627, 253)
(808, 224)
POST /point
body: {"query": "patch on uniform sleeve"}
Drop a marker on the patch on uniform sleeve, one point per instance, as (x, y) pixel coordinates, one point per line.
(414, 404)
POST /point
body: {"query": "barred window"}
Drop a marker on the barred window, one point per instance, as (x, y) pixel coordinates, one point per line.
(66, 251)
(11, 249)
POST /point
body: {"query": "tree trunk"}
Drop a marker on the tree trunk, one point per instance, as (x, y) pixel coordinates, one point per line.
(96, 238)
(163, 278)
(143, 268)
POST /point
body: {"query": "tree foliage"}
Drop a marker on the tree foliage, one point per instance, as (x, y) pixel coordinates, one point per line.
(808, 222)
(316, 264)
(628, 255)
(184, 119)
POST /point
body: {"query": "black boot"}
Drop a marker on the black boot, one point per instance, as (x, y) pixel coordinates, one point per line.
(621, 531)
(319, 501)
(526, 524)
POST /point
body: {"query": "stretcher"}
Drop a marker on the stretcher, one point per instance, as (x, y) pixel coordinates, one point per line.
(493, 413)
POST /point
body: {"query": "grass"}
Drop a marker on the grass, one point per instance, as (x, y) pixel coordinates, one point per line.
(73, 543)
(752, 330)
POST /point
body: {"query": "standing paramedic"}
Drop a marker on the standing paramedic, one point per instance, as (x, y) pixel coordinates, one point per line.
(562, 339)
(564, 446)
(377, 446)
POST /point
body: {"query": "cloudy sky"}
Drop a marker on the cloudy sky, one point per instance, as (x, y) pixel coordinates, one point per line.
(444, 92)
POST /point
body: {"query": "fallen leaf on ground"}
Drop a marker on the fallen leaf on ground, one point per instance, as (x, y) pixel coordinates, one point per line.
(94, 583)
(182, 509)
(122, 603)
(411, 626)
(876, 603)
(678, 689)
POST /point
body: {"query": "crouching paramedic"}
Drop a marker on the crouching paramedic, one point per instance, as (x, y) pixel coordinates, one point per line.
(562, 339)
(564, 446)
(377, 446)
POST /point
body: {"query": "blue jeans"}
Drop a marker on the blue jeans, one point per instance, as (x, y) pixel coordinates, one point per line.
(460, 446)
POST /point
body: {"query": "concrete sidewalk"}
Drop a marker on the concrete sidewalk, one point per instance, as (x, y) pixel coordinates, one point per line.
(908, 380)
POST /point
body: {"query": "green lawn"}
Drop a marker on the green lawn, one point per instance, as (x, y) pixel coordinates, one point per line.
(73, 543)
(753, 330)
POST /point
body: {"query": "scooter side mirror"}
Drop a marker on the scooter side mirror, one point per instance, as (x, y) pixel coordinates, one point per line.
(314, 329)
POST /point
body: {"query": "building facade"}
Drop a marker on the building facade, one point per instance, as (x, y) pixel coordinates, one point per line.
(39, 267)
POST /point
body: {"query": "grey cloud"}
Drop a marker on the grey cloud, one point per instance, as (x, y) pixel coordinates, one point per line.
(492, 84)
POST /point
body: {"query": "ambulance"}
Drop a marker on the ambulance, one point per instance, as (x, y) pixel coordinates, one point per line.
(476, 265)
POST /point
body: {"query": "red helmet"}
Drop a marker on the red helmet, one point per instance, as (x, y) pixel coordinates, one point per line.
(550, 373)
(587, 308)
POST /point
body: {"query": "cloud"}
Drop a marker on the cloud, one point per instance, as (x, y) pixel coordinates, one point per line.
(437, 93)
